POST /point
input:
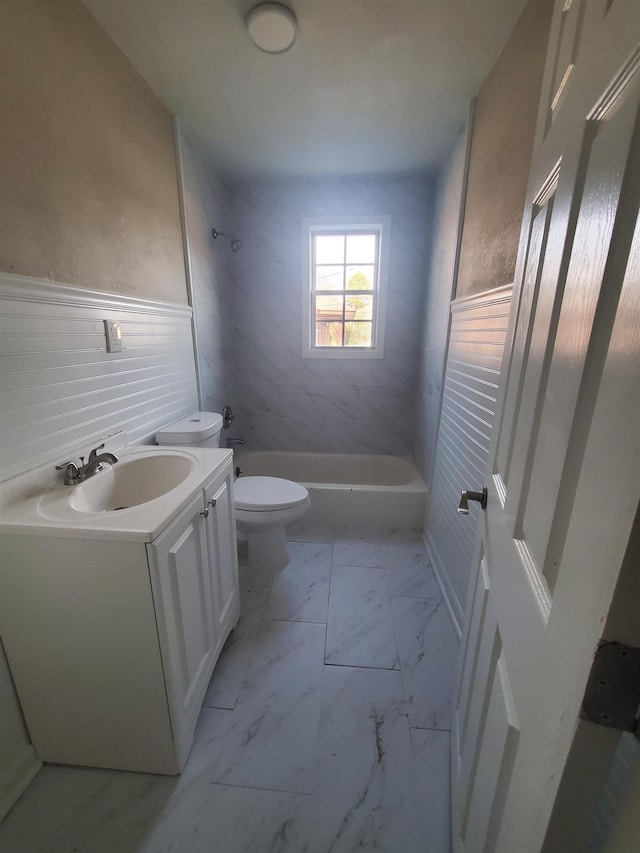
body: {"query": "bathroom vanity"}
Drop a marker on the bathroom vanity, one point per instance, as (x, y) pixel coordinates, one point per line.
(114, 617)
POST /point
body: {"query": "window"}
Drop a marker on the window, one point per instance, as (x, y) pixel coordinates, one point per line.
(345, 272)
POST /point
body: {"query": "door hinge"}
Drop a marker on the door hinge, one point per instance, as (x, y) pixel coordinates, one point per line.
(612, 696)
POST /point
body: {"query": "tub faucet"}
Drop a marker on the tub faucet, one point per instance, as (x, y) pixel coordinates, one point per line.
(235, 442)
(74, 474)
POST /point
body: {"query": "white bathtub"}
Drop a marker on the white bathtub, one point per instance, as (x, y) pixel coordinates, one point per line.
(347, 489)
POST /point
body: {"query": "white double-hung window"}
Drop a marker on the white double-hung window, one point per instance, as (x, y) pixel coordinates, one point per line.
(345, 264)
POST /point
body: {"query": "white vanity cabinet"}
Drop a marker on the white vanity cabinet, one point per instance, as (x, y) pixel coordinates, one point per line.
(112, 641)
(194, 577)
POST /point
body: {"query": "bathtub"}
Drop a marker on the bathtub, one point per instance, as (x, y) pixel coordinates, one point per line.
(346, 488)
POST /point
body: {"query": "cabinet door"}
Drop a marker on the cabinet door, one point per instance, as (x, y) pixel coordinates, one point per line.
(182, 592)
(221, 531)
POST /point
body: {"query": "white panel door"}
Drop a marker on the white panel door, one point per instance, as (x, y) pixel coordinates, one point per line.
(564, 464)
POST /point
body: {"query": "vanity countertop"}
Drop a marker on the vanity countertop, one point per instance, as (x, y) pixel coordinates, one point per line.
(37, 502)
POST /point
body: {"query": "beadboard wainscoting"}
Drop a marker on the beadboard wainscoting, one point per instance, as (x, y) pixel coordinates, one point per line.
(61, 390)
(474, 361)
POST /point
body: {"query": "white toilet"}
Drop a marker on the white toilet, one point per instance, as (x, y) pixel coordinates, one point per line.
(264, 505)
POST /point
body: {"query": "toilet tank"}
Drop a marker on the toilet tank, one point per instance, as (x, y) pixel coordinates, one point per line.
(201, 429)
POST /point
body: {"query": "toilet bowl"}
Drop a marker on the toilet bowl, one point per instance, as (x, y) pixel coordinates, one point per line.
(264, 505)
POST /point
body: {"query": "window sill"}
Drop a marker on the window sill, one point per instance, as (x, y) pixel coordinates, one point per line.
(343, 353)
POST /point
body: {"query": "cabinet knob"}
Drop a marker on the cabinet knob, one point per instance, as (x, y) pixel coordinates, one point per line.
(212, 502)
(206, 512)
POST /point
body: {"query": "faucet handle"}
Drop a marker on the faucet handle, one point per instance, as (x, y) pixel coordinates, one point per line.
(66, 465)
(71, 473)
(95, 452)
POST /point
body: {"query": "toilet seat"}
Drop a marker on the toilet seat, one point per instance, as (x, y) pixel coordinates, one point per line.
(268, 494)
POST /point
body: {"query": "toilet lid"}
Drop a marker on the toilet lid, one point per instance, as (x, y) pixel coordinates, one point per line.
(267, 493)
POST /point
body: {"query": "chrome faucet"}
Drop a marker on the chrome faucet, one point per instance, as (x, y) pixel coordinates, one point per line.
(74, 474)
(97, 462)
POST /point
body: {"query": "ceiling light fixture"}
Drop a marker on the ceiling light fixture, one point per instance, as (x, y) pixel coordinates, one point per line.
(272, 27)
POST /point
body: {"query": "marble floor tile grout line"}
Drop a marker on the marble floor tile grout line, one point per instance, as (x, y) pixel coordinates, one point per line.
(428, 728)
(322, 698)
(362, 666)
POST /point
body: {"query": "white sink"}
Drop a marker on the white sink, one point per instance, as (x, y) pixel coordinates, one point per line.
(131, 482)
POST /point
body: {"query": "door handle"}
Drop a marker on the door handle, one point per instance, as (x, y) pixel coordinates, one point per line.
(206, 512)
(466, 496)
(212, 502)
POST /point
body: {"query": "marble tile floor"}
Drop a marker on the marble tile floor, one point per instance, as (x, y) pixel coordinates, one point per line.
(325, 728)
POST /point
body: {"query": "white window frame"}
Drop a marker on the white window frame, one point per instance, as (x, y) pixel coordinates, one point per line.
(343, 225)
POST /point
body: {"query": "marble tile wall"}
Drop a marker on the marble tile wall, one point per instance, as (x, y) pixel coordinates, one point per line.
(436, 307)
(285, 402)
(207, 206)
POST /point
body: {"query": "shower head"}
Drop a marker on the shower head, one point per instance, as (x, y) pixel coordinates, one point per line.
(235, 244)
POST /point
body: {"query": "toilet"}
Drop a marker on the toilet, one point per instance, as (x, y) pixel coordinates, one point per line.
(264, 505)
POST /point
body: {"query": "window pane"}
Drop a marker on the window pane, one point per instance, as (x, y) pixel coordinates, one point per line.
(329, 334)
(361, 248)
(329, 248)
(357, 334)
(329, 278)
(360, 277)
(359, 308)
(329, 307)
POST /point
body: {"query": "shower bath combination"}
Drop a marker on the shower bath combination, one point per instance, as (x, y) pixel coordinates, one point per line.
(235, 244)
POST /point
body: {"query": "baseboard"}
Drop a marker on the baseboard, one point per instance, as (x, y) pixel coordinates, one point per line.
(16, 780)
(451, 603)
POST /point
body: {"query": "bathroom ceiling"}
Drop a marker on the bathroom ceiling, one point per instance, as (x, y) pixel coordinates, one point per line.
(369, 87)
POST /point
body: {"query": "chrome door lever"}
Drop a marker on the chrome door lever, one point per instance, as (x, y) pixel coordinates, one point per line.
(466, 496)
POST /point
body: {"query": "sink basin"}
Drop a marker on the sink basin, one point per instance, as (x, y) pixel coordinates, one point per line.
(131, 482)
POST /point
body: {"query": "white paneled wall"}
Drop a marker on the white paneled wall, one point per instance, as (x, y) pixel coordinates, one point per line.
(474, 360)
(59, 388)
